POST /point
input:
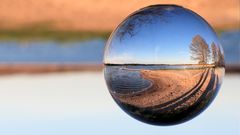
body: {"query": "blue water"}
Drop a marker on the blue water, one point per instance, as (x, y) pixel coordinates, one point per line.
(90, 51)
(52, 52)
(231, 45)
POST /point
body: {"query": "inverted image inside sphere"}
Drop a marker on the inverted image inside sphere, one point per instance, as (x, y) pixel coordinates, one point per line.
(163, 64)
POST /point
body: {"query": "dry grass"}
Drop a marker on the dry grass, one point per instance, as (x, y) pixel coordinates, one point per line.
(103, 15)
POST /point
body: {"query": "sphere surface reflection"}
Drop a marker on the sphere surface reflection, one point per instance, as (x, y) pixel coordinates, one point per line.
(163, 64)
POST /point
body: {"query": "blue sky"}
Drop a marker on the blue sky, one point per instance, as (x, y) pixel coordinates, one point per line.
(164, 41)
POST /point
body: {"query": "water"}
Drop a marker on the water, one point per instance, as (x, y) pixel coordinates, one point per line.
(163, 95)
(83, 52)
(90, 51)
(230, 41)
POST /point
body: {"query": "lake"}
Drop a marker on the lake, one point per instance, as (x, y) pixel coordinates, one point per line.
(89, 51)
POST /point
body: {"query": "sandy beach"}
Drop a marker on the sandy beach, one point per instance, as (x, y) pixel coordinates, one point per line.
(166, 87)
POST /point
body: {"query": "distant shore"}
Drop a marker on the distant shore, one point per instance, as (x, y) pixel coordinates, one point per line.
(51, 68)
(47, 68)
(232, 68)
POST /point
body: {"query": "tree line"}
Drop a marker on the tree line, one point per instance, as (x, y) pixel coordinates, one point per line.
(201, 52)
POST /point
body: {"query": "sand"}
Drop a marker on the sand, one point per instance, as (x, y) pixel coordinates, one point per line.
(169, 85)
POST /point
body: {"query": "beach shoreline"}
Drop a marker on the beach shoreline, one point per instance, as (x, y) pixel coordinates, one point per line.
(54, 68)
(47, 68)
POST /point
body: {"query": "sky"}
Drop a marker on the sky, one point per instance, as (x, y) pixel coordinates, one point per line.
(165, 40)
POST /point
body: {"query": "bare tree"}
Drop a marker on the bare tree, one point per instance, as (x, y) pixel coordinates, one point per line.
(199, 50)
(217, 55)
(215, 51)
(221, 62)
(143, 17)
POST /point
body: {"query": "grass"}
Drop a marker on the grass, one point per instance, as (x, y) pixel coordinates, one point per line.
(220, 30)
(46, 33)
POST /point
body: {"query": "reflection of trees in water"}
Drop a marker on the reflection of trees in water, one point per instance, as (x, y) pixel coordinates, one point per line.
(143, 17)
(199, 50)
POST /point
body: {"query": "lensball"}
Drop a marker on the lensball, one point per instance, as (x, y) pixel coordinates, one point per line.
(163, 64)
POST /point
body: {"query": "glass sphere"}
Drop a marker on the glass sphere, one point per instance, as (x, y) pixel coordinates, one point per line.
(163, 64)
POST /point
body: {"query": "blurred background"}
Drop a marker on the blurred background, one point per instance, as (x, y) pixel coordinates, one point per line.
(51, 79)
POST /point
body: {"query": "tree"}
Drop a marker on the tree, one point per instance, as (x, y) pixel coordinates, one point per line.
(217, 55)
(215, 51)
(131, 26)
(221, 62)
(199, 50)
